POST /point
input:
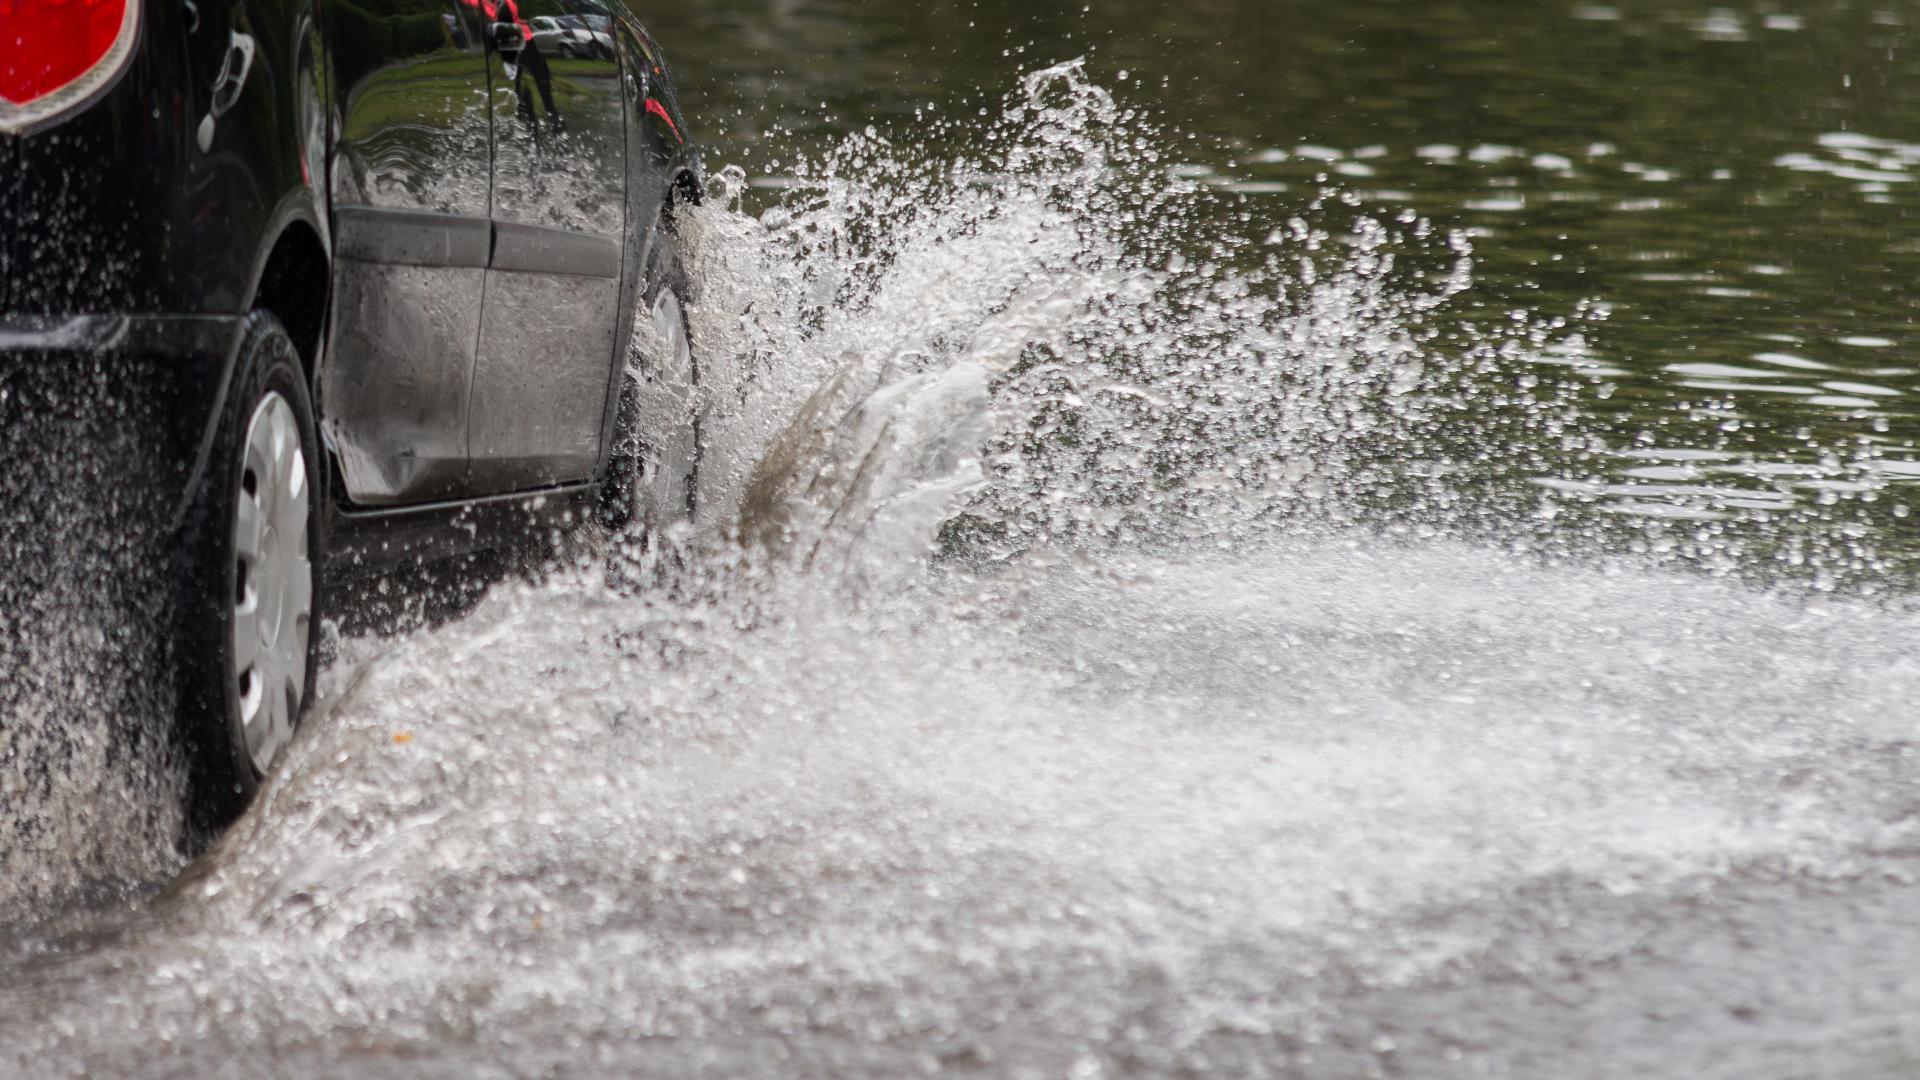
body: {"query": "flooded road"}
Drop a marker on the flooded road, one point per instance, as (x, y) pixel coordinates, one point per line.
(1306, 810)
(1160, 606)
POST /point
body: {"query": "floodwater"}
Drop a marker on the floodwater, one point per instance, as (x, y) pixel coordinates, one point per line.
(1316, 543)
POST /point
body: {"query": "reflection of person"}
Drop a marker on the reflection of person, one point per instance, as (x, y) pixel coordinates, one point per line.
(530, 61)
(534, 63)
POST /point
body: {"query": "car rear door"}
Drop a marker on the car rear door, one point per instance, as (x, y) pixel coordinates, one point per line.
(410, 179)
(546, 365)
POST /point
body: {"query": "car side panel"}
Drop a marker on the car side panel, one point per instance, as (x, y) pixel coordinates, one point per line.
(9, 192)
(410, 185)
(250, 136)
(659, 157)
(648, 185)
(542, 378)
(662, 126)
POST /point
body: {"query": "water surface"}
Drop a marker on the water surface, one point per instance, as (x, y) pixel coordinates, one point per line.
(1719, 199)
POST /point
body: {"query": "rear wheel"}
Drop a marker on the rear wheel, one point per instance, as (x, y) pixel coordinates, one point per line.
(252, 591)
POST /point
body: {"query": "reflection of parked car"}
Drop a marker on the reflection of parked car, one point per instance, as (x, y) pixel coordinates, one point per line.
(598, 28)
(374, 309)
(568, 36)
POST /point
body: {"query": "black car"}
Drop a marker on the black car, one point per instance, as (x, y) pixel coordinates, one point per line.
(323, 285)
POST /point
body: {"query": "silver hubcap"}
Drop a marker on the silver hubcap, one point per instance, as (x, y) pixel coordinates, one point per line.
(272, 581)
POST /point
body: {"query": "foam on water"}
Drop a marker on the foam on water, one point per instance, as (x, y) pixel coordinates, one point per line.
(1174, 757)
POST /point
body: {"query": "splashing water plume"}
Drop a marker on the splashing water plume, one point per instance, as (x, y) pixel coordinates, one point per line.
(1131, 390)
(1052, 684)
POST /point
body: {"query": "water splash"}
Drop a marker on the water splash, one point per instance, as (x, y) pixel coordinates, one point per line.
(89, 782)
(1136, 392)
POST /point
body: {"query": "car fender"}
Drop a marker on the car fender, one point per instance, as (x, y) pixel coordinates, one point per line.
(663, 166)
(302, 204)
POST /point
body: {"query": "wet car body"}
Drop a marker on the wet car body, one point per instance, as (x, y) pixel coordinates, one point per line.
(569, 36)
(365, 172)
(451, 232)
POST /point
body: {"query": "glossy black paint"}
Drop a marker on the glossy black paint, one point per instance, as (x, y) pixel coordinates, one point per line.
(559, 138)
(9, 190)
(245, 160)
(410, 194)
(100, 238)
(179, 354)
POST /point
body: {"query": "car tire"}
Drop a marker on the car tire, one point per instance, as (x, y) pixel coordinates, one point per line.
(252, 584)
(653, 478)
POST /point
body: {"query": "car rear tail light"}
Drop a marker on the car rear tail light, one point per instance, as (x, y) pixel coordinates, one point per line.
(58, 55)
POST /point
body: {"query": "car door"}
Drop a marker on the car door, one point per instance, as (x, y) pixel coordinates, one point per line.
(410, 180)
(546, 360)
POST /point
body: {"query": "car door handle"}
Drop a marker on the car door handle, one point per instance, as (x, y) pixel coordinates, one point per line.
(507, 39)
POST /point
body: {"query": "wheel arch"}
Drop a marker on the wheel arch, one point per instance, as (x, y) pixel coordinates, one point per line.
(292, 281)
(689, 185)
(294, 284)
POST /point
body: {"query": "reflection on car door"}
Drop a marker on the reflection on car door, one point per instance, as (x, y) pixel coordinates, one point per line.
(546, 363)
(410, 182)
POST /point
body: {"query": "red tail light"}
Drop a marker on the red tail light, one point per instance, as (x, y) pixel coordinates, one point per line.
(57, 55)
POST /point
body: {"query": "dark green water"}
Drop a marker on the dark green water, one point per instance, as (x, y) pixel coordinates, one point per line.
(1719, 200)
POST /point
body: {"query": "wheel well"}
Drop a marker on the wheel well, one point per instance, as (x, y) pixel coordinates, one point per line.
(686, 188)
(293, 286)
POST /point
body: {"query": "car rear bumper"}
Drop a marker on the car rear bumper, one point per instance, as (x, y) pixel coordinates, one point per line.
(79, 392)
(9, 184)
(162, 337)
